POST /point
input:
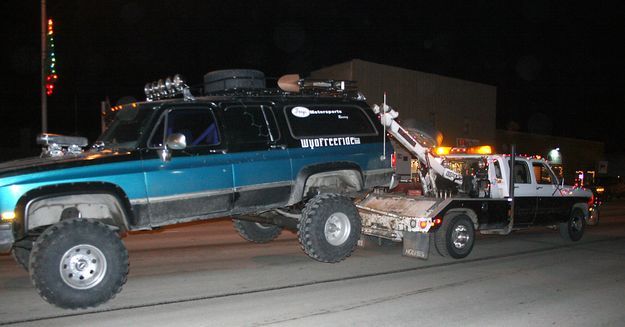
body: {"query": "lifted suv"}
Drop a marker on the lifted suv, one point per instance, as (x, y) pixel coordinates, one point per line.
(270, 159)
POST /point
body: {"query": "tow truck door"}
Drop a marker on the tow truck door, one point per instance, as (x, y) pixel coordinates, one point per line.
(547, 196)
(524, 193)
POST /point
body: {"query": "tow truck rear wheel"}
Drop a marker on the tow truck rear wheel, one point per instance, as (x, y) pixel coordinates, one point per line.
(330, 228)
(256, 232)
(573, 228)
(78, 263)
(456, 236)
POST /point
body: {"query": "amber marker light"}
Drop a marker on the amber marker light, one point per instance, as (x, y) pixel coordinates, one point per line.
(8, 216)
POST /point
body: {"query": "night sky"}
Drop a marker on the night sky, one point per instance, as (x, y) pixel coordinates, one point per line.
(559, 68)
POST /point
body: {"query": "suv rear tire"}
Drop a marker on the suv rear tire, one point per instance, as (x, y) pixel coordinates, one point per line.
(256, 232)
(78, 263)
(330, 228)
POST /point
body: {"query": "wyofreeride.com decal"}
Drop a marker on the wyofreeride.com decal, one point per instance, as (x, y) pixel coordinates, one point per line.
(329, 141)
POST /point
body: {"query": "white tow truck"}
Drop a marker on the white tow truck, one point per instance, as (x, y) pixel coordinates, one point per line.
(462, 194)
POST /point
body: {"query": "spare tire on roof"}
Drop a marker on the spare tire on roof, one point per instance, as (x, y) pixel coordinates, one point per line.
(227, 79)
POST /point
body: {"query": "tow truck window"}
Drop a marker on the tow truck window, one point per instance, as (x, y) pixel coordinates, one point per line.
(521, 172)
(497, 169)
(543, 174)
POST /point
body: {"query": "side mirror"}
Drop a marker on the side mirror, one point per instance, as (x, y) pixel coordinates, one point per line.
(176, 141)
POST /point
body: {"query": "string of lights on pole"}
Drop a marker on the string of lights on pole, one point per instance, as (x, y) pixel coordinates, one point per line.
(51, 75)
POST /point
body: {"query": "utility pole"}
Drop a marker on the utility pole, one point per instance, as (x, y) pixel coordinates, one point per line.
(44, 96)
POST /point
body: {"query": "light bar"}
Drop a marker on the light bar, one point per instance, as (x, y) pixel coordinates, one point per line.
(168, 88)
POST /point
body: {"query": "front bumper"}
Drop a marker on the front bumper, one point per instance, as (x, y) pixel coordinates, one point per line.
(6, 237)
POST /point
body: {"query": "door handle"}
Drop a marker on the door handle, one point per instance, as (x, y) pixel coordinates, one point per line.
(539, 187)
(516, 187)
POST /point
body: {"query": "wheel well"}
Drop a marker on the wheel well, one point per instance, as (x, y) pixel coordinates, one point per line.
(455, 212)
(338, 181)
(581, 206)
(46, 206)
(50, 210)
(330, 177)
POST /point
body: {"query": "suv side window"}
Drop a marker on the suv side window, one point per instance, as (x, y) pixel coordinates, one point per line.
(197, 125)
(543, 174)
(327, 120)
(251, 127)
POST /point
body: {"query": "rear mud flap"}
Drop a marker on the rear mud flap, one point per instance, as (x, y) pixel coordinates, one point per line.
(416, 245)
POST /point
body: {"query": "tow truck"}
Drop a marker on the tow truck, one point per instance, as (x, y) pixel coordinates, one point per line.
(465, 193)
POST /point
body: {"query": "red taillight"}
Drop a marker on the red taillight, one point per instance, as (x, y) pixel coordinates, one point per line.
(437, 221)
(393, 160)
(591, 200)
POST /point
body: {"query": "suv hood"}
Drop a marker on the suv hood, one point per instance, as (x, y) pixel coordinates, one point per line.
(37, 164)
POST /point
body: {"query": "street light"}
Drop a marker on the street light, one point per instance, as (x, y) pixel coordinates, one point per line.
(555, 156)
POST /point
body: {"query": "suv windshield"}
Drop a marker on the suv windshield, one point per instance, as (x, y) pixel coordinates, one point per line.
(127, 127)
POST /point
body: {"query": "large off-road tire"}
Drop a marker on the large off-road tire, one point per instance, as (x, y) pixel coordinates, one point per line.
(227, 79)
(330, 228)
(256, 232)
(455, 237)
(573, 228)
(78, 263)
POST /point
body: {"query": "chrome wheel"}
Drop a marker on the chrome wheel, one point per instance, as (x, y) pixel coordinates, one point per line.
(337, 228)
(576, 223)
(460, 236)
(83, 266)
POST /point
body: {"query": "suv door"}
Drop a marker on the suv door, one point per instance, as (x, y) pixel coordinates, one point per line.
(260, 160)
(195, 181)
(524, 193)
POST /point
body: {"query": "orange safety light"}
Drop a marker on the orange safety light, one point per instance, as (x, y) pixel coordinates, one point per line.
(423, 224)
(443, 150)
(483, 149)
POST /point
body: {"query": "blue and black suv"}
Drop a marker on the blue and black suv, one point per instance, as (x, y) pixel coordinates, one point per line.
(269, 159)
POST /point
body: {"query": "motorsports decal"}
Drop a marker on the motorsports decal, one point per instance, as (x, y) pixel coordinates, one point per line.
(329, 141)
(303, 112)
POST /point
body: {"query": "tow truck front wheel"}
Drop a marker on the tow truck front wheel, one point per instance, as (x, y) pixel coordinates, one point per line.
(455, 238)
(573, 228)
(78, 263)
(330, 228)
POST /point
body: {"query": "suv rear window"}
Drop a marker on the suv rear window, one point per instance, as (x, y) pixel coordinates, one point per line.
(327, 120)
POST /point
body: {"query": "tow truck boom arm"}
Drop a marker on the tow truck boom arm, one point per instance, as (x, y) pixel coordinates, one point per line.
(433, 165)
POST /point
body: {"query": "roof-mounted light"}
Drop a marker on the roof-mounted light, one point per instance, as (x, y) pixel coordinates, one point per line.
(167, 88)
